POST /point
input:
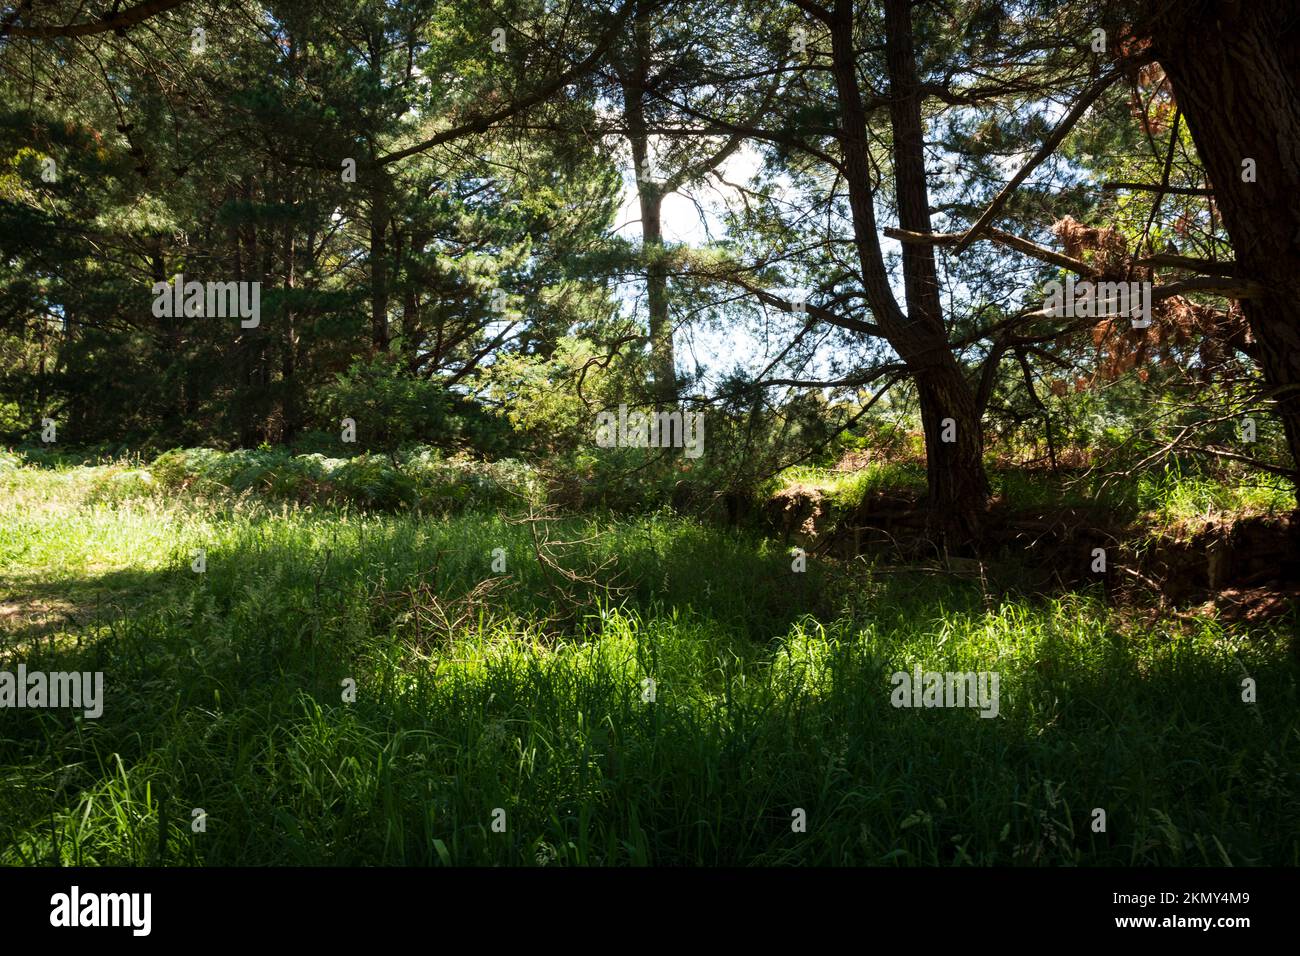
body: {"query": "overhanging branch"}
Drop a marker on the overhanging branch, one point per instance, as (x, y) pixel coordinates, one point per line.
(106, 24)
(485, 121)
(1049, 146)
(1008, 239)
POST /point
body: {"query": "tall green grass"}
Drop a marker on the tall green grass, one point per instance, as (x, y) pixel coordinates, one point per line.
(225, 691)
(1176, 492)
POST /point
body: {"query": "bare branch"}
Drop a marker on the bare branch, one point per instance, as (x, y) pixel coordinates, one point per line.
(1207, 267)
(1005, 238)
(1157, 188)
(1246, 459)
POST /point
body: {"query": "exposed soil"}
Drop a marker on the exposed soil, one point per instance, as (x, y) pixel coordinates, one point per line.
(1242, 569)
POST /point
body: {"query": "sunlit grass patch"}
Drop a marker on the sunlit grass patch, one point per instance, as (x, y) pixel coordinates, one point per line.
(681, 718)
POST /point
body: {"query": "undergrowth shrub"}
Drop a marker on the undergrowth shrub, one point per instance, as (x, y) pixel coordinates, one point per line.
(418, 478)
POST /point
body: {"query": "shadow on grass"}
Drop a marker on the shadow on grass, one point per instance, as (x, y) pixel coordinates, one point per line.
(720, 703)
(31, 610)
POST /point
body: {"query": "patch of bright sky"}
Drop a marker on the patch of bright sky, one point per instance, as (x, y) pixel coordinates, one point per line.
(693, 216)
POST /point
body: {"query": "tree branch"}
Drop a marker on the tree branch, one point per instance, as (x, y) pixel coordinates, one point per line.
(1207, 267)
(1157, 188)
(1049, 146)
(485, 121)
(1005, 238)
(1246, 459)
(108, 23)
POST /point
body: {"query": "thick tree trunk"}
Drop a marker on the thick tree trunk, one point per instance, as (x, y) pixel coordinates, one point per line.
(1235, 70)
(954, 454)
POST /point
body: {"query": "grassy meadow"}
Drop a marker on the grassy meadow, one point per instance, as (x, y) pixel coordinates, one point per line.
(628, 690)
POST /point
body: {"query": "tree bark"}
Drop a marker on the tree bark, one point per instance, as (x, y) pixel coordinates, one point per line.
(250, 344)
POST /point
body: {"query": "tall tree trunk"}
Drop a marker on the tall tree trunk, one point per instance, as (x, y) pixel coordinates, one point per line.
(957, 484)
(950, 415)
(661, 330)
(414, 280)
(40, 411)
(651, 197)
(250, 343)
(1235, 69)
(378, 265)
(289, 408)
